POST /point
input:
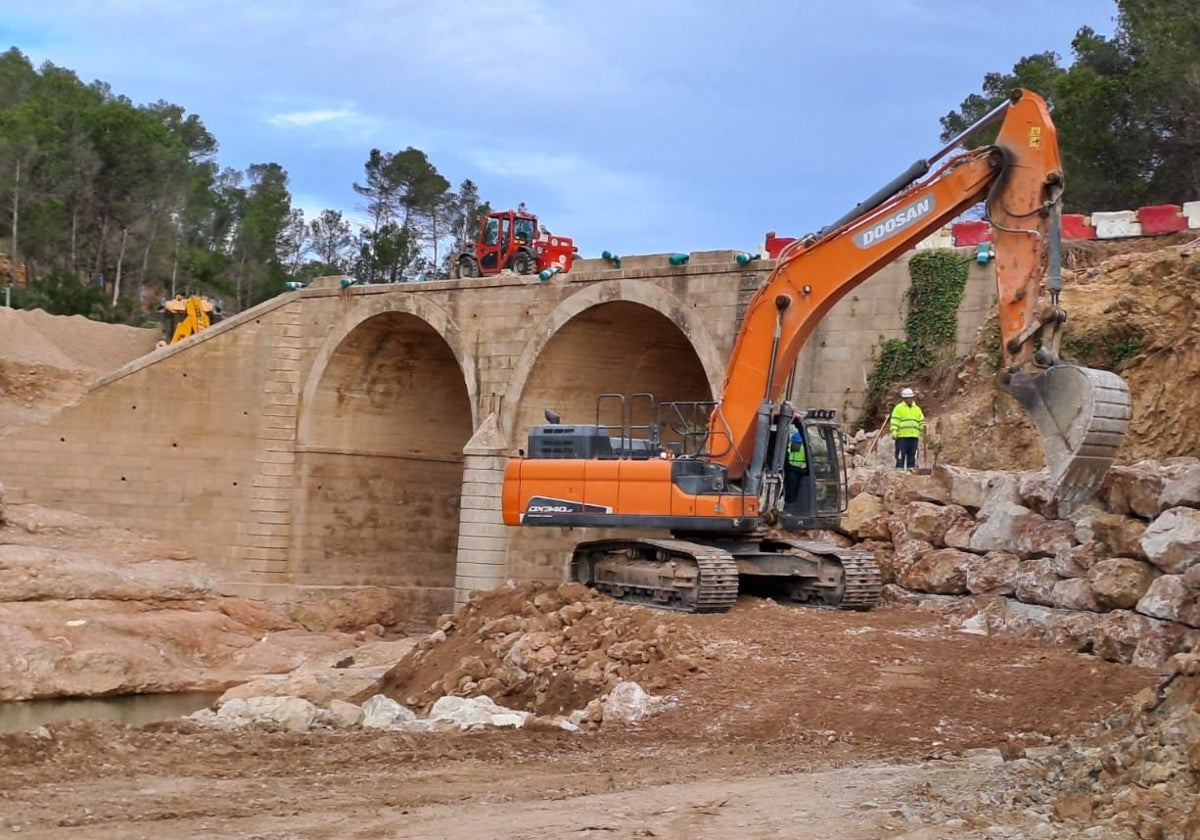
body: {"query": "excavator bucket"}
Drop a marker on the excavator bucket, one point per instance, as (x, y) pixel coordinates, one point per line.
(1082, 414)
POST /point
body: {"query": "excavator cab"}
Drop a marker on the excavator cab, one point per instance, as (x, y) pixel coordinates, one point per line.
(819, 493)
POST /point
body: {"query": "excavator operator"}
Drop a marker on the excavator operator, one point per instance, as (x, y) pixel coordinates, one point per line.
(796, 464)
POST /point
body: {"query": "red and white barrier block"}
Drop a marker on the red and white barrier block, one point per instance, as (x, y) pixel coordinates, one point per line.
(1152, 220)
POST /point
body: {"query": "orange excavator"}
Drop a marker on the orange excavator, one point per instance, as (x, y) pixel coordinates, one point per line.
(712, 474)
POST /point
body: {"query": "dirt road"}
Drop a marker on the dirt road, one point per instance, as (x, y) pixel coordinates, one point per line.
(799, 723)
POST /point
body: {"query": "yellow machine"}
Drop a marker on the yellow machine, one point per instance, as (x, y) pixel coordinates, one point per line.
(188, 316)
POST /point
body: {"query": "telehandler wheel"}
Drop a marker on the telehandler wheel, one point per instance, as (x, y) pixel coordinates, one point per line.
(524, 263)
(466, 267)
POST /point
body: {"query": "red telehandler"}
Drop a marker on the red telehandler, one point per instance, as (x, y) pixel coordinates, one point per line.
(511, 239)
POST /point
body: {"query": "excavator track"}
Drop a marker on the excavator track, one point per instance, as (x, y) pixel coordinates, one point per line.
(664, 573)
(861, 580)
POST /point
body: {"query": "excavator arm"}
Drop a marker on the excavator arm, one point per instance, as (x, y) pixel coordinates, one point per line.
(1080, 413)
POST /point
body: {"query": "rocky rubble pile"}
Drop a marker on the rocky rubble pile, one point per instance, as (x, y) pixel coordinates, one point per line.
(1120, 577)
(544, 648)
(1141, 773)
(1136, 776)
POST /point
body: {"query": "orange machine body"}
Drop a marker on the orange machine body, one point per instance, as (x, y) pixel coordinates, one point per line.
(1019, 176)
(615, 493)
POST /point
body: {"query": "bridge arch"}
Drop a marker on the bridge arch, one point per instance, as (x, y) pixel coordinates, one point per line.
(659, 333)
(384, 413)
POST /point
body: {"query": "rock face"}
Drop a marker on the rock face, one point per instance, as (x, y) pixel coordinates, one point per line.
(87, 609)
(1151, 298)
(1122, 582)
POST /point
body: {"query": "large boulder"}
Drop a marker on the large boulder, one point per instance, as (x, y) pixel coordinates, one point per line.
(1169, 599)
(972, 489)
(905, 555)
(1076, 561)
(865, 518)
(900, 488)
(1000, 526)
(1183, 490)
(1034, 582)
(1120, 536)
(1118, 583)
(1044, 538)
(1172, 541)
(993, 573)
(929, 522)
(941, 572)
(960, 533)
(1133, 489)
(1038, 492)
(1073, 594)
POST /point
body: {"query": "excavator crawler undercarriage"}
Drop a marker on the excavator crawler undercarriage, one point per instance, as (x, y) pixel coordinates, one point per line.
(701, 577)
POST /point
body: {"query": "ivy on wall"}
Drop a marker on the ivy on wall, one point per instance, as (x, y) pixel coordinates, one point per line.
(939, 278)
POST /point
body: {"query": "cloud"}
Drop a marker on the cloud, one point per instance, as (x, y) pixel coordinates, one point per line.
(303, 119)
(580, 190)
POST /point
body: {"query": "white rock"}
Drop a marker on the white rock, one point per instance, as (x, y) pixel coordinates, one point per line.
(343, 715)
(295, 713)
(467, 712)
(1172, 541)
(514, 719)
(976, 625)
(382, 712)
(629, 702)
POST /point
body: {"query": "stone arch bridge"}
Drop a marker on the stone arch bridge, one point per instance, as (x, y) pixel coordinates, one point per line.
(341, 437)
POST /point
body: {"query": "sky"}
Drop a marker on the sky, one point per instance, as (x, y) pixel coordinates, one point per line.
(634, 127)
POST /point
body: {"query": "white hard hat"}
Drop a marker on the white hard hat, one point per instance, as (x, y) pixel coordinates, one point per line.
(907, 393)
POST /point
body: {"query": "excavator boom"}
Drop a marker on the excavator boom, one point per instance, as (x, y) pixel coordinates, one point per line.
(1080, 413)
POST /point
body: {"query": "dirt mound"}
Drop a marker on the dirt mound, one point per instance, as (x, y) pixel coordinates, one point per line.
(545, 649)
(1131, 310)
(47, 361)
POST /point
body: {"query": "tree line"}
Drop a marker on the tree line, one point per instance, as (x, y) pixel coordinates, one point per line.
(111, 206)
(1127, 108)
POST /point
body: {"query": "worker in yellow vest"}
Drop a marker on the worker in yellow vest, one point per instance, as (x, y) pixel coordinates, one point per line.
(908, 424)
(796, 465)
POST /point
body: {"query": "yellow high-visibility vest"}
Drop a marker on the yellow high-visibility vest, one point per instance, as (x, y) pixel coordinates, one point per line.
(797, 454)
(907, 420)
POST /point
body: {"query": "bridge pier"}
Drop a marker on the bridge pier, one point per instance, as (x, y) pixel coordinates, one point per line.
(482, 558)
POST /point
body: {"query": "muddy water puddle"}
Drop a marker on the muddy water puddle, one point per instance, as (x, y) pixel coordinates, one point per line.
(132, 709)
